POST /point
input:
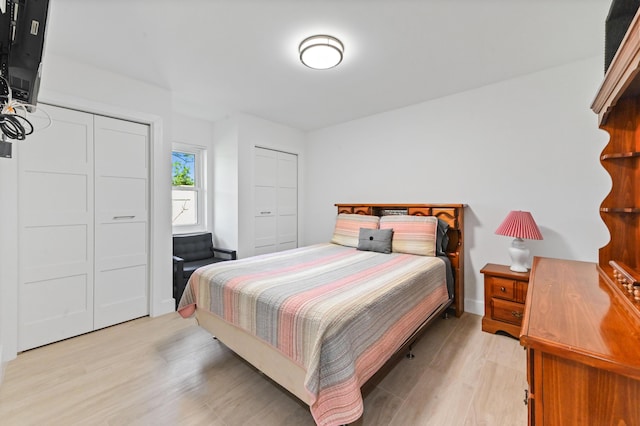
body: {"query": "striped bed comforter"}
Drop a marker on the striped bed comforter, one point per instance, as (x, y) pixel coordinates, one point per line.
(338, 312)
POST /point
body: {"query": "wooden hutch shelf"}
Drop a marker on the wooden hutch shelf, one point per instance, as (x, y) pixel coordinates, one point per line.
(620, 210)
(620, 155)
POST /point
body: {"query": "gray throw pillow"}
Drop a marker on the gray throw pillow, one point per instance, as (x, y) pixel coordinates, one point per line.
(375, 240)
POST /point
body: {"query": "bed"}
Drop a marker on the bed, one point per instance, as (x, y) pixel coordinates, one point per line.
(322, 320)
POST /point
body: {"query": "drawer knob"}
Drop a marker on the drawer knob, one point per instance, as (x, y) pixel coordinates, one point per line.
(502, 289)
(516, 314)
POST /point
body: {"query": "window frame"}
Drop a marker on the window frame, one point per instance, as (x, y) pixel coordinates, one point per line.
(199, 188)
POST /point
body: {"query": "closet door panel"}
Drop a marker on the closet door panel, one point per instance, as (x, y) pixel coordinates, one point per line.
(120, 294)
(122, 195)
(275, 201)
(113, 253)
(264, 234)
(121, 148)
(265, 164)
(55, 192)
(55, 288)
(287, 225)
(121, 175)
(287, 232)
(265, 200)
(287, 170)
(287, 201)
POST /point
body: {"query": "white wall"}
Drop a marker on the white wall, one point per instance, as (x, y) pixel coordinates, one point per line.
(234, 140)
(531, 143)
(199, 133)
(225, 183)
(70, 84)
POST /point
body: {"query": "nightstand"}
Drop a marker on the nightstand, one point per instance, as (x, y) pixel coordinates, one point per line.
(505, 292)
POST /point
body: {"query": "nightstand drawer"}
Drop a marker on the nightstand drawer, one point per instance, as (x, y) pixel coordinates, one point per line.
(507, 289)
(501, 287)
(503, 310)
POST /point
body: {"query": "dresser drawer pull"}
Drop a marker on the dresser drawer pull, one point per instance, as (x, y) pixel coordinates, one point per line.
(516, 314)
(502, 289)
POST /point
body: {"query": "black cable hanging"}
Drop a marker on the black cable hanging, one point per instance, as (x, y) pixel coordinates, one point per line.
(15, 126)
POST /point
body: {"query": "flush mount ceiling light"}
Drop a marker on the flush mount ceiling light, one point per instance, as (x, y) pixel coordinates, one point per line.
(321, 52)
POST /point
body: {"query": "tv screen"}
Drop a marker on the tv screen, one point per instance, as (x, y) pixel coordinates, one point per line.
(22, 66)
(620, 15)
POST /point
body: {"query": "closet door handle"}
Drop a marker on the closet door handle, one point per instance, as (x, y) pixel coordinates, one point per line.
(123, 217)
(265, 212)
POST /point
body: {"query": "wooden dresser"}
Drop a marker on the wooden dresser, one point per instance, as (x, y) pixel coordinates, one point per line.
(583, 348)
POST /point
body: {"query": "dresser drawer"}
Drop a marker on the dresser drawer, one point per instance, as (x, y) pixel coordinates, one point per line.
(506, 311)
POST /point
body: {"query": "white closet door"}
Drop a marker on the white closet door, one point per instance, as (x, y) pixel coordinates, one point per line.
(56, 229)
(275, 200)
(122, 225)
(287, 188)
(265, 175)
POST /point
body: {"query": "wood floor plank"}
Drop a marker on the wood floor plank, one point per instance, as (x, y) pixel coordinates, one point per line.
(169, 371)
(435, 400)
(488, 410)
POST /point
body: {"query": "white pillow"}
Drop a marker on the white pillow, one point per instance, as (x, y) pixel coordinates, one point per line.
(412, 234)
(348, 226)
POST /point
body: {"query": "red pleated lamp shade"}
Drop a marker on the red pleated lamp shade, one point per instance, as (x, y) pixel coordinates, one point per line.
(519, 224)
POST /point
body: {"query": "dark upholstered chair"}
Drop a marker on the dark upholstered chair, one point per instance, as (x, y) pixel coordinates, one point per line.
(191, 252)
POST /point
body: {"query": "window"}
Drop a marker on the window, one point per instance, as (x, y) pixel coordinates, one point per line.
(188, 188)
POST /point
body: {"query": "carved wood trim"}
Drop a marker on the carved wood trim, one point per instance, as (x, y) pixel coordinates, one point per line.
(622, 71)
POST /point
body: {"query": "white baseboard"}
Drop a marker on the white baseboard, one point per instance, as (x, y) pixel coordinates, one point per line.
(164, 307)
(474, 306)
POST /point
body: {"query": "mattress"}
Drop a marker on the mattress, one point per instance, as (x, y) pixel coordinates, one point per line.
(337, 312)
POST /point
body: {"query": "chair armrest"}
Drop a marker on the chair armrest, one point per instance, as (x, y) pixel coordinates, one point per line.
(230, 254)
(178, 269)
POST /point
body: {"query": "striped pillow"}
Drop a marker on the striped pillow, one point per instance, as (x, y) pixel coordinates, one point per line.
(348, 227)
(412, 234)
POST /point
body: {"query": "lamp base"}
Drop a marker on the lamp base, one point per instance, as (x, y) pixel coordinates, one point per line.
(519, 255)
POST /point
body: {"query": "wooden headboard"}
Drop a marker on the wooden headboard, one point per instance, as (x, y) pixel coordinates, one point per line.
(453, 214)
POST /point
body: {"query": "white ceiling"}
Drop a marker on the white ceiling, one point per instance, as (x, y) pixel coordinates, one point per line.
(218, 57)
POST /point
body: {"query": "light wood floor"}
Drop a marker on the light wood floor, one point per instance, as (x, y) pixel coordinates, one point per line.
(168, 371)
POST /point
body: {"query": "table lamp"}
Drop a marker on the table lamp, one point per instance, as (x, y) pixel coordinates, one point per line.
(520, 225)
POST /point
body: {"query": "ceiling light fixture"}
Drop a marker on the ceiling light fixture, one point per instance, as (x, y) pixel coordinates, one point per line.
(321, 52)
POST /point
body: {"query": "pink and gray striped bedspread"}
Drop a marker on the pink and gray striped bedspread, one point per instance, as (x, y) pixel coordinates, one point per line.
(338, 312)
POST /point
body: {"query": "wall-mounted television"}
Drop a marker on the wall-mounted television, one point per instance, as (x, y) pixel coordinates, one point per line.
(22, 27)
(620, 15)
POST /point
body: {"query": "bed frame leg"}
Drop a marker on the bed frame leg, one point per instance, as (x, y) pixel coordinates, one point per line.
(410, 355)
(445, 315)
